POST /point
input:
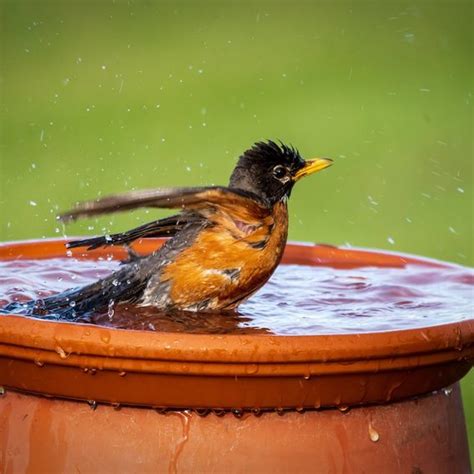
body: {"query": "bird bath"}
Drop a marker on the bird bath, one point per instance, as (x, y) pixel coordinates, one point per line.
(385, 401)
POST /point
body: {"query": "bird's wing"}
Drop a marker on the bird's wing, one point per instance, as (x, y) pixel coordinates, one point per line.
(166, 227)
(233, 201)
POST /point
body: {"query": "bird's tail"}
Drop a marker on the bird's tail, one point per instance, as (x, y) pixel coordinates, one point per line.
(125, 284)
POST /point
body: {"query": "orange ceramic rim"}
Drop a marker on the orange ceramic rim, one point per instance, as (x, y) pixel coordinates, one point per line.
(229, 371)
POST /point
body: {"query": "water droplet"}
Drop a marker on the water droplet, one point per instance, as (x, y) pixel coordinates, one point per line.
(373, 434)
(33, 203)
(372, 201)
(390, 240)
(61, 352)
(237, 412)
(251, 368)
(92, 404)
(72, 304)
(447, 391)
(110, 309)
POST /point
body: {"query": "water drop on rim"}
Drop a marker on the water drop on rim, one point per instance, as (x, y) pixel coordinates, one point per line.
(447, 391)
(373, 434)
(92, 404)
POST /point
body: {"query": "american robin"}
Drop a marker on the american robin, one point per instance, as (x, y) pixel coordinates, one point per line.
(225, 241)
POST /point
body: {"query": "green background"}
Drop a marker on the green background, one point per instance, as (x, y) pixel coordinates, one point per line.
(104, 96)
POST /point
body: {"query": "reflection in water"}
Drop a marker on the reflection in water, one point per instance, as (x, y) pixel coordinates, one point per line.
(126, 316)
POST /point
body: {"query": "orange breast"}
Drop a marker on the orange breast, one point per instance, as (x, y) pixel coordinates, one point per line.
(227, 262)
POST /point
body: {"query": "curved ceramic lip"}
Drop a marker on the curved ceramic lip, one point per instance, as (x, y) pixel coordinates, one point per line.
(68, 343)
(176, 370)
(65, 342)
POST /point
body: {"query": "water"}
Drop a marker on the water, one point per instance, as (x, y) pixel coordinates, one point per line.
(298, 300)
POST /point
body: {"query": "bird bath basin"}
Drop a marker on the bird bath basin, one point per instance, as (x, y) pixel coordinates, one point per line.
(208, 390)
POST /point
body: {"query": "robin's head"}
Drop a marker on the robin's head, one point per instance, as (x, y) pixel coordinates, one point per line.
(270, 170)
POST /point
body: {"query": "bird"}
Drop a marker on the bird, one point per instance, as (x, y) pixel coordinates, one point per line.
(224, 243)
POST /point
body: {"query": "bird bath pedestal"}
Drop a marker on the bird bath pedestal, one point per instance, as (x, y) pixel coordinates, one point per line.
(84, 398)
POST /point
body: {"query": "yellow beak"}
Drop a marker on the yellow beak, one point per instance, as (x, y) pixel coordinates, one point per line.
(312, 166)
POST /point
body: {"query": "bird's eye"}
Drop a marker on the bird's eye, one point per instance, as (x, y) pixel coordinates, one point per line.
(279, 171)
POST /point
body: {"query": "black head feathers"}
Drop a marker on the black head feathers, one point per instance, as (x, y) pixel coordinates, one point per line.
(267, 170)
(273, 153)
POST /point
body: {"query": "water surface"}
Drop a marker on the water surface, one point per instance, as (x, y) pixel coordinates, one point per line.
(298, 300)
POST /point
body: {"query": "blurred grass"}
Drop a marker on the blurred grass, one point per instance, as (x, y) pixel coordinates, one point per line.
(100, 97)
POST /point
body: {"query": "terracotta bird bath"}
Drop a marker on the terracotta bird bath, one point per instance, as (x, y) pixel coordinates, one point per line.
(85, 398)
